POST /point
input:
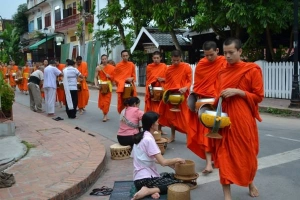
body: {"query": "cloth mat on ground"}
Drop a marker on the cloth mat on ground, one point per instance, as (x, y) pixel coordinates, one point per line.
(124, 190)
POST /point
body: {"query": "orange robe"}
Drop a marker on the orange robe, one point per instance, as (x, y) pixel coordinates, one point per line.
(14, 69)
(204, 79)
(25, 76)
(176, 77)
(83, 94)
(60, 92)
(105, 99)
(124, 70)
(154, 71)
(236, 153)
(4, 72)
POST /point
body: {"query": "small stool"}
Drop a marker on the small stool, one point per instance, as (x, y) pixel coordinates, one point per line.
(119, 152)
(179, 191)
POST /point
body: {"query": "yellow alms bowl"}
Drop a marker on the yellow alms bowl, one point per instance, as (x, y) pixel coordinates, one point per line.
(176, 98)
(209, 119)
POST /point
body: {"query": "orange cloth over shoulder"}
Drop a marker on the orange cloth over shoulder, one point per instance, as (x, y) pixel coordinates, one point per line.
(204, 82)
(236, 153)
(154, 71)
(60, 92)
(176, 77)
(14, 70)
(105, 99)
(83, 94)
(25, 76)
(124, 70)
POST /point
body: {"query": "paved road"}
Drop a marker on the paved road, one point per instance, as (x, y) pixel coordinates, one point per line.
(279, 158)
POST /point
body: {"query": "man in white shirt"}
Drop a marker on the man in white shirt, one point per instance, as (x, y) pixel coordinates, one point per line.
(34, 83)
(50, 75)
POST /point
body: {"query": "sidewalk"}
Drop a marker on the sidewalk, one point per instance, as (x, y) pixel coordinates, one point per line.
(63, 163)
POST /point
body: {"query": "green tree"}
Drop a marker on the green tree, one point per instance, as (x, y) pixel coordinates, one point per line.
(173, 14)
(109, 38)
(255, 17)
(11, 39)
(20, 19)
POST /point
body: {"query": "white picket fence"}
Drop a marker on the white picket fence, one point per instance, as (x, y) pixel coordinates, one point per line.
(277, 78)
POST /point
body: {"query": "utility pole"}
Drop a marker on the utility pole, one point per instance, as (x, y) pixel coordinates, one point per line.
(295, 100)
(82, 34)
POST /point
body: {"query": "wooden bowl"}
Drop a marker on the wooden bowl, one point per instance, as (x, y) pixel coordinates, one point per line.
(186, 169)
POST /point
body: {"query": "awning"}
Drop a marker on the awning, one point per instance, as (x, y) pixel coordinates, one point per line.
(37, 44)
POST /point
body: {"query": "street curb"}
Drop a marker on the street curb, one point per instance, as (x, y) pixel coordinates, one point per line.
(81, 187)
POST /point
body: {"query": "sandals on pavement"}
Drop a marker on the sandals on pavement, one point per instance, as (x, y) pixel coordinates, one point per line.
(103, 191)
(77, 128)
(57, 118)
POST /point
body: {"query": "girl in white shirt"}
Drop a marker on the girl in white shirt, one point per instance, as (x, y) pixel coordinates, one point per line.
(145, 155)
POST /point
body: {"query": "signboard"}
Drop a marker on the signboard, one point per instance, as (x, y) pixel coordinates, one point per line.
(149, 48)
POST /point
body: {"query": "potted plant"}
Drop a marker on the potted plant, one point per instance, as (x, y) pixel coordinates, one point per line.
(7, 96)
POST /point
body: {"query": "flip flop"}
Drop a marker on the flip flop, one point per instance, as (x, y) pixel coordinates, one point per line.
(100, 193)
(77, 128)
(56, 119)
(103, 188)
(205, 172)
(103, 191)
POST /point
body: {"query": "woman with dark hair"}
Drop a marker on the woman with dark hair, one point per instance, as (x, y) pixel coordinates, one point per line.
(130, 117)
(145, 155)
(70, 86)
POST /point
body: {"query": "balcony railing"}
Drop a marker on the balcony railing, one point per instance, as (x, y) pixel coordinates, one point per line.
(71, 21)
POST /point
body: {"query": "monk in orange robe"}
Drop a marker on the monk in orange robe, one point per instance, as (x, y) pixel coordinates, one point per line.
(204, 79)
(25, 75)
(83, 93)
(59, 91)
(240, 85)
(104, 74)
(155, 76)
(124, 73)
(5, 72)
(178, 78)
(13, 74)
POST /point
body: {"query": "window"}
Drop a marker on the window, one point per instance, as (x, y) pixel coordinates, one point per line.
(73, 38)
(69, 10)
(74, 8)
(31, 26)
(47, 20)
(57, 14)
(39, 23)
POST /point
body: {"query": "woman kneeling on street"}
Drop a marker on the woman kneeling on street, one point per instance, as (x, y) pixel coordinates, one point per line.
(145, 155)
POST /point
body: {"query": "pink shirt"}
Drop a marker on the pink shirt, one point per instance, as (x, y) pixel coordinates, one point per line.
(144, 158)
(134, 115)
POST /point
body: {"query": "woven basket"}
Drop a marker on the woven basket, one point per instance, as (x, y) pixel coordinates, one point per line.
(162, 148)
(157, 135)
(186, 169)
(179, 191)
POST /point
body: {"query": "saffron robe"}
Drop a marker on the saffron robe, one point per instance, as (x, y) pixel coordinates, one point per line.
(124, 70)
(176, 77)
(204, 82)
(236, 153)
(105, 99)
(25, 76)
(83, 94)
(154, 71)
(14, 69)
(60, 92)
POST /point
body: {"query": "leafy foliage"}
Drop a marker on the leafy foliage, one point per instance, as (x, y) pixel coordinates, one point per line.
(7, 95)
(20, 19)
(109, 38)
(11, 39)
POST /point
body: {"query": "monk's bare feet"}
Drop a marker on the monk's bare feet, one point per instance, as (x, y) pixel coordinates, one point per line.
(144, 191)
(155, 195)
(253, 191)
